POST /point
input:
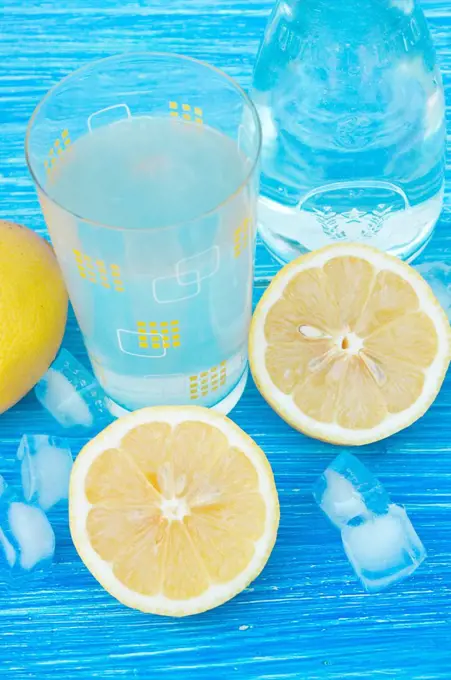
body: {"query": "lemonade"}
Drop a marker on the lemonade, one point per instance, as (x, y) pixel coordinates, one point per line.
(163, 301)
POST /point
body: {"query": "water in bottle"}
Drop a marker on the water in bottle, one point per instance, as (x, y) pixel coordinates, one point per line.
(352, 108)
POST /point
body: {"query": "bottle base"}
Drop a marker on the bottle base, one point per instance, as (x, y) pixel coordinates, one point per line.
(288, 232)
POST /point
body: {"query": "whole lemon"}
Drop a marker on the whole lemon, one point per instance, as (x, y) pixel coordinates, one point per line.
(33, 310)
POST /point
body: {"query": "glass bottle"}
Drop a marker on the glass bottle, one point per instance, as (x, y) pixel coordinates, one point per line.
(352, 109)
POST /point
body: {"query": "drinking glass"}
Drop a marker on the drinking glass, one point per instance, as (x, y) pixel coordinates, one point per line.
(146, 168)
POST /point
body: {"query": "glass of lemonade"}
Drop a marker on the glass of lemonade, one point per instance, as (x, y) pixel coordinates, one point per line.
(146, 167)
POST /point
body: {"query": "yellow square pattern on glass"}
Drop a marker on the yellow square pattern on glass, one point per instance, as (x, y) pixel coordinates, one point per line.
(59, 146)
(142, 334)
(206, 382)
(187, 112)
(89, 268)
(80, 265)
(103, 274)
(97, 272)
(241, 238)
(162, 335)
(117, 279)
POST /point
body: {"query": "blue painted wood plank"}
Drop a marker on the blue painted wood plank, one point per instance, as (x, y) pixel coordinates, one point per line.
(306, 617)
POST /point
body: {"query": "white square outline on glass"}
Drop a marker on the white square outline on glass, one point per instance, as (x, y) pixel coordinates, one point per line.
(184, 284)
(109, 108)
(175, 278)
(124, 331)
(197, 256)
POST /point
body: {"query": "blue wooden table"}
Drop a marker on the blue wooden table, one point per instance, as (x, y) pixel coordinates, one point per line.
(306, 617)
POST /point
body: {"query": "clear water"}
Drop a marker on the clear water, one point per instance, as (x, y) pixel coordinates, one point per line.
(352, 108)
(164, 309)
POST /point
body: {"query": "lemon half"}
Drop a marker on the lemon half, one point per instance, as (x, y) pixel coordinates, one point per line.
(174, 510)
(349, 344)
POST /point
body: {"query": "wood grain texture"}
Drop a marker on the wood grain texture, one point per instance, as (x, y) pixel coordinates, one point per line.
(306, 617)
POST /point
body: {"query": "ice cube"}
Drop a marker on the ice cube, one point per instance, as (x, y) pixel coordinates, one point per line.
(27, 540)
(33, 533)
(377, 535)
(45, 466)
(438, 276)
(71, 394)
(340, 501)
(383, 549)
(347, 489)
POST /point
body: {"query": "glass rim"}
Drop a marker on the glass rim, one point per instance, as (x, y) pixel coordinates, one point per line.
(150, 54)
